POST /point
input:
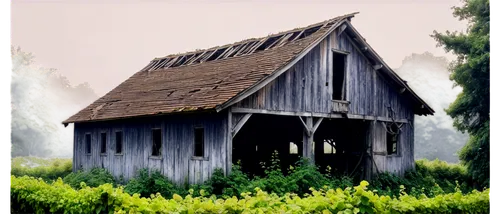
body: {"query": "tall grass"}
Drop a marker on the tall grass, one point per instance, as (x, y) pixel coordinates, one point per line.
(45, 168)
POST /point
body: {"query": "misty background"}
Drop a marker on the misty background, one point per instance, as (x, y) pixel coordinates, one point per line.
(81, 49)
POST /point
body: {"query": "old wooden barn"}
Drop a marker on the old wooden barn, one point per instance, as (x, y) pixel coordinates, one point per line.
(319, 92)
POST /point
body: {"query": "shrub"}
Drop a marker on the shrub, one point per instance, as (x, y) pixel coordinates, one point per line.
(146, 184)
(430, 178)
(45, 168)
(299, 179)
(93, 178)
(36, 196)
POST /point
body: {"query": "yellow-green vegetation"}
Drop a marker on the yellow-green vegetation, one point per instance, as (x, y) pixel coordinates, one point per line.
(46, 168)
(36, 196)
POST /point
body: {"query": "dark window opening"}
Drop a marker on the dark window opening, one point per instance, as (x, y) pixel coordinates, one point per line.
(156, 142)
(88, 140)
(103, 142)
(119, 142)
(338, 78)
(199, 142)
(392, 139)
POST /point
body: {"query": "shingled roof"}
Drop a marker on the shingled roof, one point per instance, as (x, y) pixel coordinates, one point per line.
(204, 79)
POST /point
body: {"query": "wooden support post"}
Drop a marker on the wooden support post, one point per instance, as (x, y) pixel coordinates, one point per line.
(229, 142)
(308, 139)
(307, 146)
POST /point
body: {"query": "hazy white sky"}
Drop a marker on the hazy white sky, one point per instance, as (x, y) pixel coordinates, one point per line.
(105, 42)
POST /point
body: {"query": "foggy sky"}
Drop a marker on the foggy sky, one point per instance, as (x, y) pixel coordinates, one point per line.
(105, 43)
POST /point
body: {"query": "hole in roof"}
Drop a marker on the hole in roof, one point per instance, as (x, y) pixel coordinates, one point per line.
(217, 53)
(310, 31)
(268, 42)
(240, 49)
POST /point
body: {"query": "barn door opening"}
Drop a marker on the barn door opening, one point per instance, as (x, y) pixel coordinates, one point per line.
(264, 134)
(339, 76)
(339, 147)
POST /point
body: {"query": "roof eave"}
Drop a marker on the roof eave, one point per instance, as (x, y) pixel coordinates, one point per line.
(387, 70)
(68, 121)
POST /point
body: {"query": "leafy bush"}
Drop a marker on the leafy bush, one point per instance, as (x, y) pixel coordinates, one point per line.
(47, 169)
(36, 196)
(299, 179)
(429, 177)
(146, 184)
(93, 178)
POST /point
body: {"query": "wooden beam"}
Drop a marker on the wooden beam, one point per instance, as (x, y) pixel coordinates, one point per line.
(195, 58)
(208, 56)
(342, 28)
(178, 61)
(189, 59)
(300, 34)
(284, 40)
(240, 124)
(316, 125)
(304, 123)
(257, 45)
(243, 48)
(162, 63)
(275, 42)
(171, 62)
(152, 67)
(264, 81)
(340, 51)
(223, 53)
(309, 114)
(285, 113)
(235, 49)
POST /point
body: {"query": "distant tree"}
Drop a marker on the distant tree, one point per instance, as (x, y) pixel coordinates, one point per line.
(41, 100)
(471, 71)
(435, 137)
(29, 132)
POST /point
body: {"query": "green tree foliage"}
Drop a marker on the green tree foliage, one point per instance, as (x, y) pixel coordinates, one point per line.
(471, 71)
(435, 137)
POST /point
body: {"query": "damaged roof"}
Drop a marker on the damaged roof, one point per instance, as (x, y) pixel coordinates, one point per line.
(204, 79)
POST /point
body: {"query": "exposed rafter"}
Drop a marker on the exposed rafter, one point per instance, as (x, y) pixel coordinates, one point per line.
(237, 49)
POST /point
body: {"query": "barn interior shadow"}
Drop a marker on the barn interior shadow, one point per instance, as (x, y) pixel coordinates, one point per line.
(338, 143)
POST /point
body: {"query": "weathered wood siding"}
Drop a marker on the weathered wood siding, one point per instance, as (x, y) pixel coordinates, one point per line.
(304, 88)
(175, 161)
(395, 163)
(307, 86)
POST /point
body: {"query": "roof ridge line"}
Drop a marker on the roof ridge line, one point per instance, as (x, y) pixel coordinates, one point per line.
(349, 15)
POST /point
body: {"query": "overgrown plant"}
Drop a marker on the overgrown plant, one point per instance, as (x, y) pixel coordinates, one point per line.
(36, 196)
(147, 183)
(92, 178)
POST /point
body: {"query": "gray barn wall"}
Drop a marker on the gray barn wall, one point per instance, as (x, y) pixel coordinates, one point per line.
(177, 146)
(303, 89)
